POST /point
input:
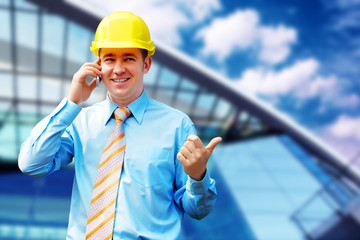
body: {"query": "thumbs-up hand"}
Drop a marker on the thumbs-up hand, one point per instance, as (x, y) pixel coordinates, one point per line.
(194, 156)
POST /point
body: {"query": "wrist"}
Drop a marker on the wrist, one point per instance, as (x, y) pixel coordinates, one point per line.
(198, 177)
(73, 99)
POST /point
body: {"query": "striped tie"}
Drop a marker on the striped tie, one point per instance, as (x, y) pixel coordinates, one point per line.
(102, 208)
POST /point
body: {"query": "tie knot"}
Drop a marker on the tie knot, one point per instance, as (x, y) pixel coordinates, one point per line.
(121, 114)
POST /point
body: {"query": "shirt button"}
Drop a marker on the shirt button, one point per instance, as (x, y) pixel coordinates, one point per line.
(197, 187)
(198, 204)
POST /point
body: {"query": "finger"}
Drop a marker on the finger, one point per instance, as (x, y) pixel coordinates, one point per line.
(91, 65)
(94, 64)
(94, 68)
(92, 85)
(90, 73)
(190, 146)
(185, 152)
(212, 144)
(196, 140)
(181, 158)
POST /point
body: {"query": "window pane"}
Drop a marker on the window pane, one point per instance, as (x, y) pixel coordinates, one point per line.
(52, 44)
(188, 85)
(184, 101)
(4, 108)
(5, 25)
(53, 34)
(204, 104)
(27, 87)
(8, 148)
(50, 89)
(150, 77)
(6, 89)
(78, 44)
(5, 49)
(268, 171)
(26, 37)
(25, 4)
(4, 2)
(168, 78)
(28, 119)
(222, 109)
(165, 96)
(26, 29)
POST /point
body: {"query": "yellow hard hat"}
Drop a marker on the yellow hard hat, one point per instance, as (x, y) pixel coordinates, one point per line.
(122, 30)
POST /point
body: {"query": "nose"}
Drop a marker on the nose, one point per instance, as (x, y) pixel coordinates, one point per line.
(119, 67)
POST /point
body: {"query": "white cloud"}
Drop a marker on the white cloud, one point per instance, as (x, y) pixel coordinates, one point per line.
(242, 30)
(164, 18)
(332, 93)
(275, 43)
(347, 147)
(238, 30)
(303, 81)
(200, 9)
(346, 127)
(261, 81)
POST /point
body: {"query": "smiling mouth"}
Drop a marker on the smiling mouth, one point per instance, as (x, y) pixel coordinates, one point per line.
(120, 80)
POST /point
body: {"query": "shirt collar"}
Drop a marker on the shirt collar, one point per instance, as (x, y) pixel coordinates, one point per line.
(137, 108)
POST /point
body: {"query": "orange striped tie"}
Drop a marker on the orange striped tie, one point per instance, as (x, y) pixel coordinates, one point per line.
(102, 208)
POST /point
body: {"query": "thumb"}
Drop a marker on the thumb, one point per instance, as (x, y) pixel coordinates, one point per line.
(212, 144)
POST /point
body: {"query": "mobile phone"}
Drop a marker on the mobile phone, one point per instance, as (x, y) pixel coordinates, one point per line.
(98, 80)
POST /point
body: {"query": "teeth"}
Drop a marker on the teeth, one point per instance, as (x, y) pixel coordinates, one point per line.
(120, 80)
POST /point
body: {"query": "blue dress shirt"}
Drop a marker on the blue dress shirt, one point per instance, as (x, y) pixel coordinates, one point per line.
(154, 190)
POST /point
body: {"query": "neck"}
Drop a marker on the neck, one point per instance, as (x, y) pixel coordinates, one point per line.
(123, 102)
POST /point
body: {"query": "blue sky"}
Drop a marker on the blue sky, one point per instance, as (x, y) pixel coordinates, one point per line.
(300, 56)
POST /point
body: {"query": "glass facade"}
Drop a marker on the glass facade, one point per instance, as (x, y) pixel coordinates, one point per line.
(265, 180)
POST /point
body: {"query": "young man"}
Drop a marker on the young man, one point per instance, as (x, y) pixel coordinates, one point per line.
(138, 163)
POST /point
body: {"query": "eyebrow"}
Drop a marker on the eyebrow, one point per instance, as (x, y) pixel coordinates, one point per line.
(122, 55)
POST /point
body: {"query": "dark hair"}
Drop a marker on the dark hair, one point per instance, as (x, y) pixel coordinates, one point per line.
(144, 53)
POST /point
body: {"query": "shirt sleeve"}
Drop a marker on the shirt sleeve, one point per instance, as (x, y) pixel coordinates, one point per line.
(196, 198)
(50, 145)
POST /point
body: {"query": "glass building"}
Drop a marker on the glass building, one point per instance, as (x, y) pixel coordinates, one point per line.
(275, 181)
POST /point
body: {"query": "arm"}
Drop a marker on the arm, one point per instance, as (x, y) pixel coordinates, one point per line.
(198, 196)
(50, 144)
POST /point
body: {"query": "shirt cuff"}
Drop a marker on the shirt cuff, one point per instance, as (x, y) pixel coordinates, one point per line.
(198, 187)
(67, 111)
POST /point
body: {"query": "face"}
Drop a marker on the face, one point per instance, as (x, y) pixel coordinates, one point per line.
(123, 70)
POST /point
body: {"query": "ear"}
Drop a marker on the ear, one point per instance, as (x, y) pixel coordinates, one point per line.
(99, 57)
(147, 64)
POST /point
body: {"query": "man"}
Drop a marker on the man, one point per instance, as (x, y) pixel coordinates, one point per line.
(138, 163)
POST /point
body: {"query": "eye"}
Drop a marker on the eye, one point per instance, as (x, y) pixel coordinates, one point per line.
(129, 59)
(108, 59)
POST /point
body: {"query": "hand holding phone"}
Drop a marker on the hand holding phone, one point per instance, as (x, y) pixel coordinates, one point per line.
(98, 80)
(80, 90)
